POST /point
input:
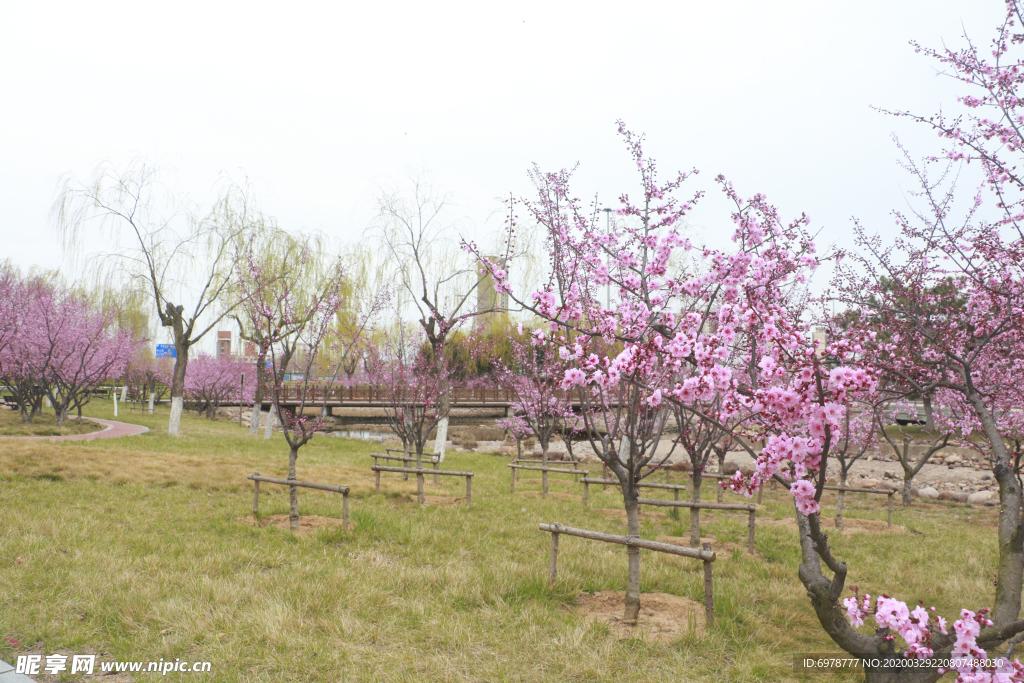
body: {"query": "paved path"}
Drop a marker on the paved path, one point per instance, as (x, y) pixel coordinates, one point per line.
(113, 430)
(7, 674)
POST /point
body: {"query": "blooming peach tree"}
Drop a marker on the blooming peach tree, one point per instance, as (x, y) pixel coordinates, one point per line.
(673, 339)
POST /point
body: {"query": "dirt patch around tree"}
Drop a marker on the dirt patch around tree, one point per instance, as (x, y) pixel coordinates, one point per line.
(850, 525)
(308, 524)
(663, 617)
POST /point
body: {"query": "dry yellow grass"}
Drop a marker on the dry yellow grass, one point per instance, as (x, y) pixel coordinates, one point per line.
(44, 424)
(70, 460)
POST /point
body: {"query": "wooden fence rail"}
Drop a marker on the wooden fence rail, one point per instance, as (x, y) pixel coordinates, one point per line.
(257, 478)
(575, 463)
(751, 511)
(387, 457)
(544, 474)
(419, 472)
(705, 554)
(588, 481)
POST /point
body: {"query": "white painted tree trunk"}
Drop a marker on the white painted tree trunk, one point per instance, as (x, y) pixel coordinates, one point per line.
(124, 393)
(442, 438)
(174, 425)
(254, 420)
(270, 421)
(152, 397)
(115, 402)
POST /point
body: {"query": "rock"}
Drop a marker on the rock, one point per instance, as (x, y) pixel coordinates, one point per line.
(591, 459)
(681, 466)
(960, 496)
(945, 495)
(888, 486)
(869, 483)
(928, 492)
(729, 467)
(986, 476)
(953, 459)
(991, 502)
(979, 497)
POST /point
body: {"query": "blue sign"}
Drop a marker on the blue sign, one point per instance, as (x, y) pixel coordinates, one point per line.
(166, 351)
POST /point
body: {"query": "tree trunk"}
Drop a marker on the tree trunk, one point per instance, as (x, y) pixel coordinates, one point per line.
(254, 418)
(824, 595)
(442, 430)
(174, 426)
(908, 477)
(1010, 567)
(842, 496)
(632, 611)
(177, 388)
(419, 475)
(444, 405)
(929, 417)
(293, 515)
(271, 416)
(544, 463)
(721, 470)
(257, 407)
(695, 512)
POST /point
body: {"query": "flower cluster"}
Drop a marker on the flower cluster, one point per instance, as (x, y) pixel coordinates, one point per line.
(916, 629)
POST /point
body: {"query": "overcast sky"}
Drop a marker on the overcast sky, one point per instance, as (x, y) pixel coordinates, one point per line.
(318, 104)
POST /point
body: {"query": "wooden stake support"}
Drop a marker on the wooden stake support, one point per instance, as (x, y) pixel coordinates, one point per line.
(257, 478)
(419, 478)
(705, 554)
(587, 481)
(513, 474)
(854, 489)
(751, 511)
(404, 458)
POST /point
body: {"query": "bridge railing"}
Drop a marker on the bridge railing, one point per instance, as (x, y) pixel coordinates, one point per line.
(373, 394)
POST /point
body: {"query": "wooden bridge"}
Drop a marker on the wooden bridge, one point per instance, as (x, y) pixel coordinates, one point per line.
(375, 397)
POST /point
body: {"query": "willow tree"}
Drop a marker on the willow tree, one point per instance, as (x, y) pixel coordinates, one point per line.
(161, 244)
(432, 274)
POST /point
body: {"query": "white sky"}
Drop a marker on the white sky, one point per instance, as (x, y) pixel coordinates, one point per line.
(318, 103)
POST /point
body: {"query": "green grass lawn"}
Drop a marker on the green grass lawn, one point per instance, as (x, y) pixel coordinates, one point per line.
(136, 548)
